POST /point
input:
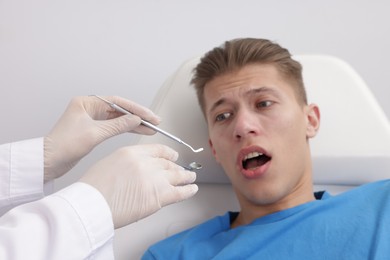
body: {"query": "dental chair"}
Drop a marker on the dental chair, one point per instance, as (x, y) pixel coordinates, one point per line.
(351, 148)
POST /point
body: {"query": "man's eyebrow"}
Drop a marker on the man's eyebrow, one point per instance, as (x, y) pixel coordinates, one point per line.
(217, 104)
(261, 90)
(250, 92)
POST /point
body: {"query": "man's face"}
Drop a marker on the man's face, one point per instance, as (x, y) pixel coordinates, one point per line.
(259, 134)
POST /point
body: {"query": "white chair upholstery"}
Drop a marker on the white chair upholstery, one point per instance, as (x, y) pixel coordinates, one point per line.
(352, 147)
(353, 144)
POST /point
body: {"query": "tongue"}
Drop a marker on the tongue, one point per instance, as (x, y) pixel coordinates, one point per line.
(252, 163)
(255, 162)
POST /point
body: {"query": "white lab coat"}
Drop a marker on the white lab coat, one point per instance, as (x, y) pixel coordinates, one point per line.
(74, 223)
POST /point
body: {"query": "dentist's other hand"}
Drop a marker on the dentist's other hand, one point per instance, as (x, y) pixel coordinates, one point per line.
(87, 122)
(136, 181)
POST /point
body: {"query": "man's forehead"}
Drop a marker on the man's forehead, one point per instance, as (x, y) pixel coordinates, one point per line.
(247, 75)
(249, 80)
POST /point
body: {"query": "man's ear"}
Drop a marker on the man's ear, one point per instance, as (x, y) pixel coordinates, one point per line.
(313, 120)
(213, 150)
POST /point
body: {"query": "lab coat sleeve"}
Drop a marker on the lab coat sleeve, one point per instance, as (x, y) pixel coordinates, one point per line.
(73, 223)
(21, 173)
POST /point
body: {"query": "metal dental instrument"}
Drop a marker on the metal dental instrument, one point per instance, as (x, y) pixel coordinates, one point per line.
(146, 123)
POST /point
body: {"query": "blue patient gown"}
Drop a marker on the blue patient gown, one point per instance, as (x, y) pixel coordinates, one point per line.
(352, 225)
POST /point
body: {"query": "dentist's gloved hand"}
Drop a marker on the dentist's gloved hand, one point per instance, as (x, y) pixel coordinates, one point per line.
(136, 181)
(87, 122)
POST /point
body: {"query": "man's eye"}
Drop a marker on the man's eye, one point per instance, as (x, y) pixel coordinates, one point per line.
(222, 116)
(264, 104)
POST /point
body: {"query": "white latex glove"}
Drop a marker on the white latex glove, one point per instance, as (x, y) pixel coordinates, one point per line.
(87, 122)
(136, 181)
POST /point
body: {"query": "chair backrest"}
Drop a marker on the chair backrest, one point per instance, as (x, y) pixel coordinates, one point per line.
(352, 147)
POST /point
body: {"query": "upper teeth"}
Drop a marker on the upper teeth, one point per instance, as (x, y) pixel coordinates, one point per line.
(252, 155)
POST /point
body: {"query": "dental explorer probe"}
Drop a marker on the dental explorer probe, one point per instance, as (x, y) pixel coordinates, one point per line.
(148, 124)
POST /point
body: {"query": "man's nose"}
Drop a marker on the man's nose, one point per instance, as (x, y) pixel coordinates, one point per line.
(246, 123)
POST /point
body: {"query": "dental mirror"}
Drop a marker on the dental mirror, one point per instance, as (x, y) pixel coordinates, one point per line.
(193, 166)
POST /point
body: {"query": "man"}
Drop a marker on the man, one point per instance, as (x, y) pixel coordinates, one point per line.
(252, 95)
(78, 222)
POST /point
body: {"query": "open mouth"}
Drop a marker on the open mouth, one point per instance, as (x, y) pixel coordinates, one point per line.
(254, 160)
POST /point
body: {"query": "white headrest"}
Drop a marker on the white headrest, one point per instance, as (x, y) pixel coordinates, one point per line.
(352, 147)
